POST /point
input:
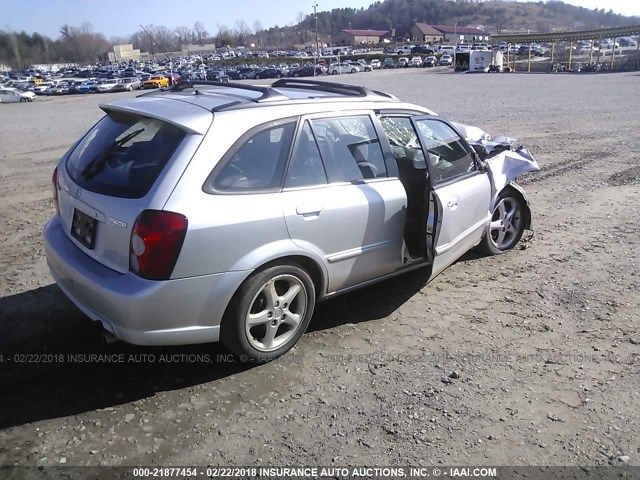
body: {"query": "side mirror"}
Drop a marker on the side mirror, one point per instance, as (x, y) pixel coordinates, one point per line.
(481, 150)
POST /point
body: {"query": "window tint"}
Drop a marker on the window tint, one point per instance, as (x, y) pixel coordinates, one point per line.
(350, 148)
(403, 139)
(259, 162)
(306, 168)
(447, 155)
(123, 154)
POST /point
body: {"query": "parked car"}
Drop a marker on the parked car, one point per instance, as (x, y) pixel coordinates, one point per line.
(217, 76)
(156, 81)
(389, 63)
(270, 73)
(106, 85)
(74, 87)
(363, 66)
(375, 64)
(338, 68)
(242, 73)
(415, 62)
(430, 61)
(134, 244)
(41, 87)
(306, 72)
(61, 88)
(425, 49)
(173, 78)
(86, 86)
(403, 62)
(12, 95)
(446, 60)
(127, 84)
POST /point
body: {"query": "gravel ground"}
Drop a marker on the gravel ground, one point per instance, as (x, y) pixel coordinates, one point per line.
(530, 358)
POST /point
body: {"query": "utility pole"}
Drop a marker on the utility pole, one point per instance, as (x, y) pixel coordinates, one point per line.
(455, 45)
(315, 14)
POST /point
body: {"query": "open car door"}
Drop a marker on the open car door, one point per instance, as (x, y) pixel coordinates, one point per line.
(460, 200)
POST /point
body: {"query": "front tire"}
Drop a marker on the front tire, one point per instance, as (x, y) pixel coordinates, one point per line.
(507, 224)
(269, 313)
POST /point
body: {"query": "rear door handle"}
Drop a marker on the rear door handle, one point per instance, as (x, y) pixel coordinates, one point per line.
(453, 202)
(309, 209)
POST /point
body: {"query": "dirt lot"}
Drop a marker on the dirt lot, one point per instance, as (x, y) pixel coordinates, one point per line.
(544, 340)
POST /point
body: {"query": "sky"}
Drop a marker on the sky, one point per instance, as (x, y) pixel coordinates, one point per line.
(123, 17)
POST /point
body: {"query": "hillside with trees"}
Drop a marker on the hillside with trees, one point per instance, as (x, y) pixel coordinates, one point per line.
(84, 45)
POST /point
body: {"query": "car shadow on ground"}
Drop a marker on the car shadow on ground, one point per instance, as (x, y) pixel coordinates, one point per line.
(54, 361)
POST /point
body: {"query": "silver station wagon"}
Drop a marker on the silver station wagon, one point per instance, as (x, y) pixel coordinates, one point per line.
(223, 212)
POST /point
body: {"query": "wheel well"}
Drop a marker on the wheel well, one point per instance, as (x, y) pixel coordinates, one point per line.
(517, 193)
(311, 267)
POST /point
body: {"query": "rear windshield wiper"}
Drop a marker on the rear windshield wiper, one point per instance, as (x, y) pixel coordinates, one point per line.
(97, 165)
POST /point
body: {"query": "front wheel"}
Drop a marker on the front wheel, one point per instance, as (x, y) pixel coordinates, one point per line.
(269, 313)
(507, 224)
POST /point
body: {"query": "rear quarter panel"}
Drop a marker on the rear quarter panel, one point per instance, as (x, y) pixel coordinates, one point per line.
(227, 232)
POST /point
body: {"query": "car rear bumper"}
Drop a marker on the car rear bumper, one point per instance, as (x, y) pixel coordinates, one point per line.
(136, 310)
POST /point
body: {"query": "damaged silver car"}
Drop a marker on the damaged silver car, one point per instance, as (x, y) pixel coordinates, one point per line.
(213, 211)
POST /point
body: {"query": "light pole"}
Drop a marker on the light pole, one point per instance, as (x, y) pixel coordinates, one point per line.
(455, 47)
(315, 14)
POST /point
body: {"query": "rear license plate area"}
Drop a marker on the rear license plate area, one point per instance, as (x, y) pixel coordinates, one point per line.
(83, 228)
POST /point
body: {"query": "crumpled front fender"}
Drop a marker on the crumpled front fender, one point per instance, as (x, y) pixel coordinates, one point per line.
(503, 162)
(509, 165)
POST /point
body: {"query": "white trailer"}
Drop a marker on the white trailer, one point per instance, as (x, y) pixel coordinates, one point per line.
(481, 60)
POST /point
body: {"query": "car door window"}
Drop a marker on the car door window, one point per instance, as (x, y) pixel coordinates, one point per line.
(446, 153)
(403, 139)
(305, 167)
(350, 148)
(259, 162)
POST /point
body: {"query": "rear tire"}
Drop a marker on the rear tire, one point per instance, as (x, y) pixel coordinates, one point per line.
(269, 313)
(507, 224)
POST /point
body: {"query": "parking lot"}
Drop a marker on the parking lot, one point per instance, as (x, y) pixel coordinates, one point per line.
(528, 358)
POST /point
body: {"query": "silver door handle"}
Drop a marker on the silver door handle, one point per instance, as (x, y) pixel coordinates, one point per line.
(309, 210)
(453, 202)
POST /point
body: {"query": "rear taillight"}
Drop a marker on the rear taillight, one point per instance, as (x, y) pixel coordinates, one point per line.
(54, 184)
(156, 241)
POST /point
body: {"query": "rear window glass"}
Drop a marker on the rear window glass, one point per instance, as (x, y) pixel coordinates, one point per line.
(123, 154)
(259, 161)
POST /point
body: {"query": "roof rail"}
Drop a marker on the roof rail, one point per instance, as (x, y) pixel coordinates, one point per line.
(320, 86)
(268, 94)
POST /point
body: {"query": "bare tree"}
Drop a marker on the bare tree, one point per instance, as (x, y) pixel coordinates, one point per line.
(242, 31)
(200, 32)
(81, 44)
(13, 41)
(185, 34)
(163, 38)
(223, 37)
